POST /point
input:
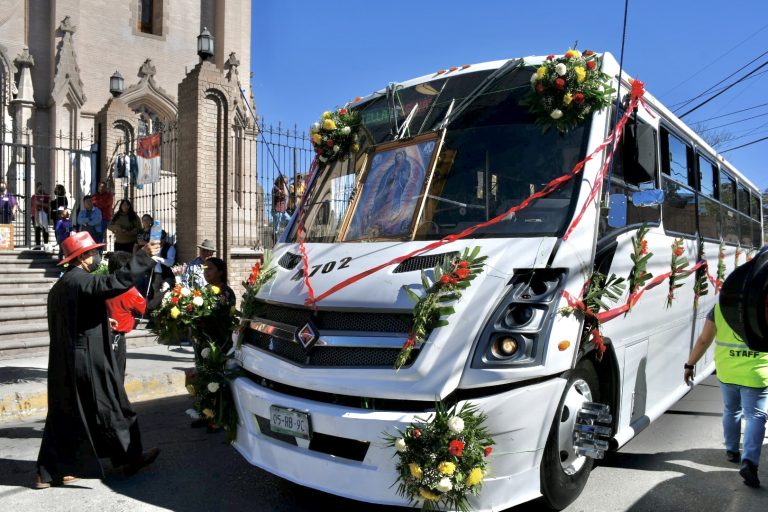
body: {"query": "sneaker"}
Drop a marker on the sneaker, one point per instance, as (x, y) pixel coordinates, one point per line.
(748, 472)
(733, 456)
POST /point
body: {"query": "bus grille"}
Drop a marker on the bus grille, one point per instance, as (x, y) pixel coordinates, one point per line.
(338, 320)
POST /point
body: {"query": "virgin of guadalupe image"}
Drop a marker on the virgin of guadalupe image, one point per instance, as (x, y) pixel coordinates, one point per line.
(391, 193)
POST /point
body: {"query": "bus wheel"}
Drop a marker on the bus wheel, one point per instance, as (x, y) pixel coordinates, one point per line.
(564, 472)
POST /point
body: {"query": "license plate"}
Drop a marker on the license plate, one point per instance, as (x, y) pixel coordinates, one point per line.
(290, 421)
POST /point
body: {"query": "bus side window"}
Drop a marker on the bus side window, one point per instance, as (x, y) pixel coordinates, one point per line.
(635, 165)
(679, 210)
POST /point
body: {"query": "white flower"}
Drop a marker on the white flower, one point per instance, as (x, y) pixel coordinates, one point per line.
(205, 352)
(323, 159)
(315, 127)
(534, 78)
(213, 387)
(177, 279)
(346, 130)
(197, 301)
(193, 414)
(165, 287)
(400, 444)
(444, 485)
(456, 425)
(560, 69)
(185, 292)
(556, 114)
(336, 148)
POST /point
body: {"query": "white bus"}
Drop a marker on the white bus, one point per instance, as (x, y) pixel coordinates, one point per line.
(472, 153)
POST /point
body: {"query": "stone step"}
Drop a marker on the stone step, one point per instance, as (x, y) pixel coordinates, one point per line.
(23, 331)
(39, 344)
(28, 316)
(41, 264)
(12, 281)
(52, 272)
(24, 293)
(23, 303)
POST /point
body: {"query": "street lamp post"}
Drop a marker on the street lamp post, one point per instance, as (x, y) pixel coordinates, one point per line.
(116, 84)
(205, 44)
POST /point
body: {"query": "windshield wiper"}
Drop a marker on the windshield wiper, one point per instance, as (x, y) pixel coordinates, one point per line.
(480, 90)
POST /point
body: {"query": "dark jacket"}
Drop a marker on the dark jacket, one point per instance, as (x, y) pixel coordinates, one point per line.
(89, 415)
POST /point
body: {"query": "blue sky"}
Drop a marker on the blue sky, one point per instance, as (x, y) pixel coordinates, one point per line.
(308, 57)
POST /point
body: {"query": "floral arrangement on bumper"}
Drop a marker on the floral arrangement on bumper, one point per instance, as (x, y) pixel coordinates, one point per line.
(335, 135)
(565, 90)
(450, 278)
(443, 460)
(209, 383)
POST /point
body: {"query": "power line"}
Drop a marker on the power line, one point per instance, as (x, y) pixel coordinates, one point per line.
(732, 113)
(745, 145)
(717, 59)
(688, 102)
(725, 89)
(732, 122)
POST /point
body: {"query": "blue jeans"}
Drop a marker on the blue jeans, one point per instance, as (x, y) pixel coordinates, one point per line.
(279, 221)
(750, 403)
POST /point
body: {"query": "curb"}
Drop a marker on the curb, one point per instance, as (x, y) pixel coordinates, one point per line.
(32, 404)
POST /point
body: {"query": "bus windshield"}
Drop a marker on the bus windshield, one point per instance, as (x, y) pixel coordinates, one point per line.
(491, 158)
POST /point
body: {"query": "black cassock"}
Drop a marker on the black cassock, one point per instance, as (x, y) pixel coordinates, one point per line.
(89, 415)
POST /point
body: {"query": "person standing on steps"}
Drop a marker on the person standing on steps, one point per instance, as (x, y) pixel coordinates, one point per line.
(89, 415)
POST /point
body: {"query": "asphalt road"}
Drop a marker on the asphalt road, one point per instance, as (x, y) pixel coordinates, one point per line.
(676, 464)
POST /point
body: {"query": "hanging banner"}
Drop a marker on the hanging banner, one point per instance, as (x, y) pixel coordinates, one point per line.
(148, 158)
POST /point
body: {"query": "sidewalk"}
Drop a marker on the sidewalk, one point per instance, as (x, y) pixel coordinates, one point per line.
(154, 371)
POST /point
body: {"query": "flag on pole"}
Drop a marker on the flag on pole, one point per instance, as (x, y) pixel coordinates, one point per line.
(148, 156)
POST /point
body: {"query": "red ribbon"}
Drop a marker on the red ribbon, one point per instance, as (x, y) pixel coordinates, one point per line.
(637, 94)
(300, 238)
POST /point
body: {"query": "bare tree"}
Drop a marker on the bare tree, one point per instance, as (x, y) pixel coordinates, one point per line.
(714, 137)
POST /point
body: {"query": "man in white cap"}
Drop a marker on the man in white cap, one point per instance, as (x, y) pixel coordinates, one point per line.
(193, 275)
(89, 415)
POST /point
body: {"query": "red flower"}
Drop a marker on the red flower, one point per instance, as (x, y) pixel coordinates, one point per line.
(560, 84)
(643, 247)
(319, 150)
(456, 448)
(255, 271)
(591, 65)
(342, 111)
(462, 273)
(597, 338)
(189, 307)
(196, 293)
(463, 264)
(578, 98)
(446, 279)
(409, 343)
(330, 143)
(587, 53)
(539, 88)
(174, 300)
(416, 433)
(488, 450)
(678, 251)
(550, 57)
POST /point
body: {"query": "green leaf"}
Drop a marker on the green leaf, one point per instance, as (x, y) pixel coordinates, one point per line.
(411, 294)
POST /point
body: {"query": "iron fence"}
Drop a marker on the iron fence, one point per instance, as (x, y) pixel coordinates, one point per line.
(259, 158)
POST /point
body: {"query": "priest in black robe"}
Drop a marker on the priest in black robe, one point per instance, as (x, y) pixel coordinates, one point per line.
(89, 415)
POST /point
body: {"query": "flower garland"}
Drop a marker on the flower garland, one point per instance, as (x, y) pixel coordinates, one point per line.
(183, 311)
(335, 135)
(565, 90)
(430, 311)
(638, 276)
(257, 278)
(443, 460)
(700, 285)
(597, 290)
(720, 267)
(736, 257)
(209, 383)
(678, 264)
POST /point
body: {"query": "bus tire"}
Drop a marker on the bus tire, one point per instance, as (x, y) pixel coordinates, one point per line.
(564, 473)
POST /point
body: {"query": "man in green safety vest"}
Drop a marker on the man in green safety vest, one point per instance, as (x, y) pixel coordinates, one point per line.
(743, 375)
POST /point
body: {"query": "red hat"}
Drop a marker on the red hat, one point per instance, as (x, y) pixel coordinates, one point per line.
(77, 244)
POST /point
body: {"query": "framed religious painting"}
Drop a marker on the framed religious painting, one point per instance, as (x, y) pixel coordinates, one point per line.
(391, 191)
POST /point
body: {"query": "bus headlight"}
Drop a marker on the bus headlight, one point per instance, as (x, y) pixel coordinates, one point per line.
(518, 330)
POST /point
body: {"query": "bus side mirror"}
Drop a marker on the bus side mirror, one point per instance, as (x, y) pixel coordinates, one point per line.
(744, 302)
(617, 210)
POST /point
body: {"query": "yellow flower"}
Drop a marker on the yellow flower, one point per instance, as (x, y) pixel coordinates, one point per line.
(215, 289)
(209, 414)
(316, 138)
(446, 468)
(327, 115)
(190, 389)
(573, 53)
(567, 98)
(428, 495)
(416, 471)
(175, 312)
(581, 73)
(475, 477)
(329, 124)
(355, 147)
(541, 71)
